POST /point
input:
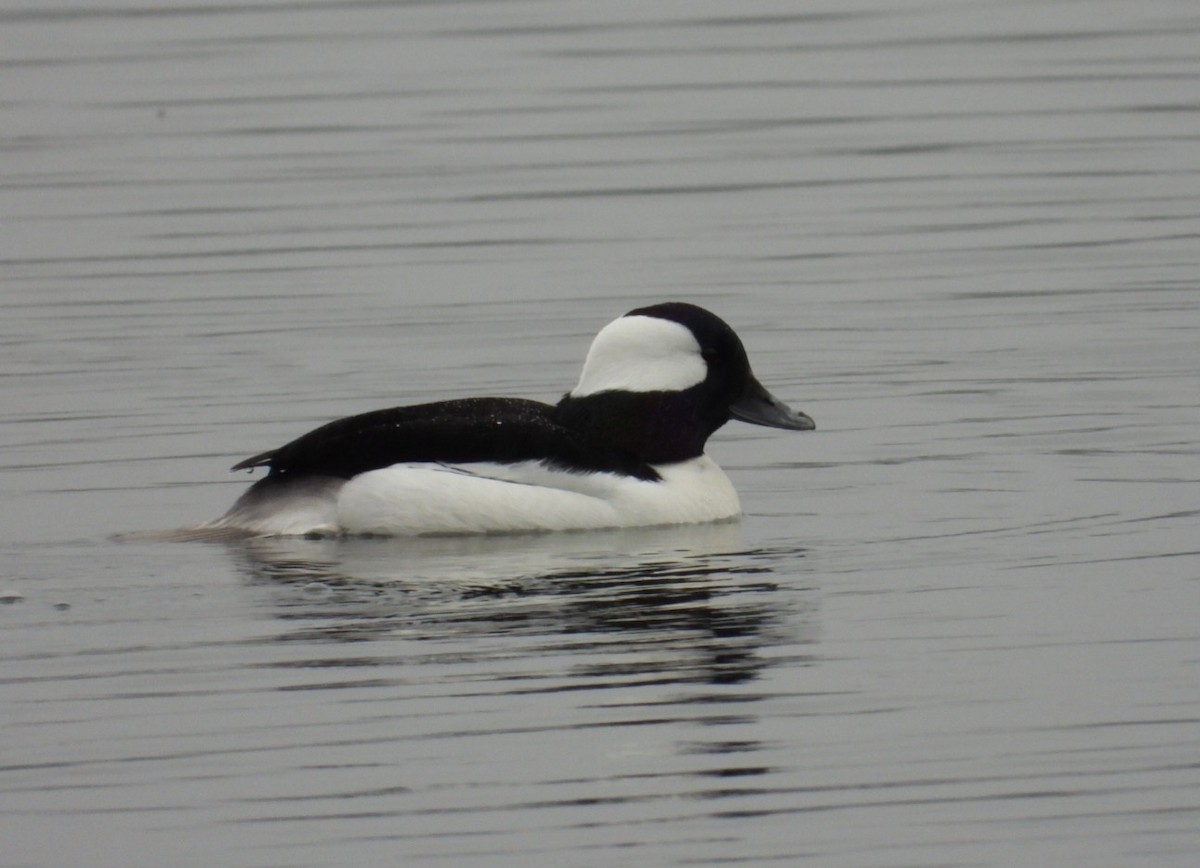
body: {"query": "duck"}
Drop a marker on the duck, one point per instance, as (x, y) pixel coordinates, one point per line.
(624, 448)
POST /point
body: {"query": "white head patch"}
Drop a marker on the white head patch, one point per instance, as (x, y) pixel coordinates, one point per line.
(641, 354)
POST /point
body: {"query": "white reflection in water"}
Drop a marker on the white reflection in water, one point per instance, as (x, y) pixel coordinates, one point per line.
(689, 591)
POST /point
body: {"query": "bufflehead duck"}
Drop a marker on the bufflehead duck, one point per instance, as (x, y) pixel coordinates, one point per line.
(624, 448)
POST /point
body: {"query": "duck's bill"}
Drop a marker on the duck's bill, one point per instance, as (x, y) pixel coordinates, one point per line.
(759, 407)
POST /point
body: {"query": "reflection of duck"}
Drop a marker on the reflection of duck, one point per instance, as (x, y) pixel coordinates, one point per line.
(483, 561)
(625, 448)
(684, 603)
(478, 561)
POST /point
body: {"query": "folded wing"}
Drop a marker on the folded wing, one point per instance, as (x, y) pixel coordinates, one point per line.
(495, 430)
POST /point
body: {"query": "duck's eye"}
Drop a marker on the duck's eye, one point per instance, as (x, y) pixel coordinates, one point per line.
(708, 353)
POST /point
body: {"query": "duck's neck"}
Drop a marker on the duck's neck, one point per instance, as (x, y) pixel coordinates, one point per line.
(657, 427)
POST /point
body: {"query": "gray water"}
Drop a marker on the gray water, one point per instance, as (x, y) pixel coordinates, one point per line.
(958, 623)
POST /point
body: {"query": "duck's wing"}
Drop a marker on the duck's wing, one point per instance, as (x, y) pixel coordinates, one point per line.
(497, 430)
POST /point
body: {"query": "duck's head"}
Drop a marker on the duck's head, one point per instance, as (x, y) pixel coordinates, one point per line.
(684, 364)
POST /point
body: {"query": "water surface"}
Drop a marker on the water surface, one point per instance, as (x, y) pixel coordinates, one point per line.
(957, 624)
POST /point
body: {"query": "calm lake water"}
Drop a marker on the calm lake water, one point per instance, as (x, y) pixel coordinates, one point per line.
(958, 624)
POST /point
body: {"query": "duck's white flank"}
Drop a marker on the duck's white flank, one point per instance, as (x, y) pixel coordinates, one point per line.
(430, 498)
(641, 354)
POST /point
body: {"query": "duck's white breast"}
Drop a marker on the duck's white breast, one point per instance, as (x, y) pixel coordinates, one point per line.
(430, 498)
